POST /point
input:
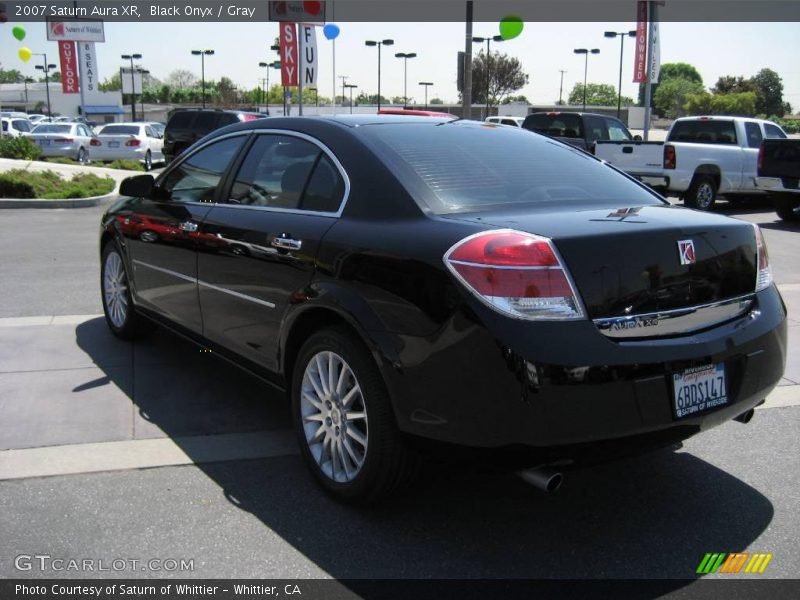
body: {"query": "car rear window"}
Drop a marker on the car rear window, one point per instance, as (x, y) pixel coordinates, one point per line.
(703, 132)
(50, 128)
(472, 167)
(555, 125)
(120, 130)
(181, 120)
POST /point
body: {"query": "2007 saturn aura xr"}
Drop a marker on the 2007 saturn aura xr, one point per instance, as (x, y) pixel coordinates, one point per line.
(479, 286)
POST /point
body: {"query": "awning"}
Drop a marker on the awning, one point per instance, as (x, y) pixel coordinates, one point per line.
(108, 109)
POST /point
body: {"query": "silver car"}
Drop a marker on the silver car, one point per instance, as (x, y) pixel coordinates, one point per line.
(129, 141)
(72, 140)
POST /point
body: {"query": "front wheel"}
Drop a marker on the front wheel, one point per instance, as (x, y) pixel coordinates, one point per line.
(83, 156)
(788, 206)
(120, 315)
(702, 192)
(344, 421)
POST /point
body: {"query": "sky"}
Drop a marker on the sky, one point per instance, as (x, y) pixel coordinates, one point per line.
(715, 49)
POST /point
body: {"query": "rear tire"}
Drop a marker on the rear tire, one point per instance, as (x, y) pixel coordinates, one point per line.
(788, 206)
(115, 290)
(702, 193)
(344, 420)
(83, 156)
(148, 161)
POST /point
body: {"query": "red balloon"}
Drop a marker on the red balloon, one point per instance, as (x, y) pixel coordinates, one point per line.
(312, 8)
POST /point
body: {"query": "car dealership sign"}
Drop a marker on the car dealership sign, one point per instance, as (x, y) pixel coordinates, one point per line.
(70, 83)
(76, 31)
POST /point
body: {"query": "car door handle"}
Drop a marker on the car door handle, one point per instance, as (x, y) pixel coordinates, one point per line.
(287, 243)
(189, 226)
(627, 150)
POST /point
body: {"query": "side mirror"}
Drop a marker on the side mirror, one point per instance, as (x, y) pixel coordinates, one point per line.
(637, 138)
(138, 186)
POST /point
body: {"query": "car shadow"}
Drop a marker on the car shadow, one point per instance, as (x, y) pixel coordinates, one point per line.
(651, 517)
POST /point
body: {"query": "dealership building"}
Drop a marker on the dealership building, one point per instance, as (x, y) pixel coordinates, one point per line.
(103, 107)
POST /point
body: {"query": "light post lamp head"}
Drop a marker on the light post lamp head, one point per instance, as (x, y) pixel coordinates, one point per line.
(580, 51)
(388, 42)
(595, 50)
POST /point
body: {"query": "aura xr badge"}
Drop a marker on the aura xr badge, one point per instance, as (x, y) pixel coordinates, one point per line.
(686, 251)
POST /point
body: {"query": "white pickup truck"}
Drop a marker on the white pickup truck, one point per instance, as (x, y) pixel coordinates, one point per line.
(702, 157)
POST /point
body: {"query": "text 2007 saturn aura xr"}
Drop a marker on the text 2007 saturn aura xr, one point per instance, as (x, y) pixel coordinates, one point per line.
(479, 286)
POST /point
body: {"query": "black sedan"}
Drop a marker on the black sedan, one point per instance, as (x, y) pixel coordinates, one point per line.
(406, 279)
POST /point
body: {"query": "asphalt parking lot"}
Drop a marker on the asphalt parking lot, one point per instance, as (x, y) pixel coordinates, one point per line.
(156, 450)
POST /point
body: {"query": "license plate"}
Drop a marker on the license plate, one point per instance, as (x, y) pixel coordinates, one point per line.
(113, 144)
(698, 390)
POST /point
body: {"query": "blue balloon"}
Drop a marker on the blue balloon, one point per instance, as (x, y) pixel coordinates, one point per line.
(331, 31)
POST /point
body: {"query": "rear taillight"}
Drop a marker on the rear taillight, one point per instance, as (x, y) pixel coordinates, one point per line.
(669, 156)
(249, 117)
(63, 140)
(95, 142)
(764, 274)
(133, 142)
(515, 273)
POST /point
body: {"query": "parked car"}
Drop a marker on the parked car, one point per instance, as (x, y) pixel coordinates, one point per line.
(526, 298)
(501, 120)
(578, 129)
(15, 127)
(12, 114)
(72, 140)
(186, 126)
(36, 118)
(701, 158)
(779, 175)
(128, 141)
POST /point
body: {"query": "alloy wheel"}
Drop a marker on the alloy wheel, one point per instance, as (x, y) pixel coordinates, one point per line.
(115, 289)
(334, 417)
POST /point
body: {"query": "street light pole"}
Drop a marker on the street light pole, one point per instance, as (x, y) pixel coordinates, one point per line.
(622, 35)
(143, 72)
(202, 54)
(273, 65)
(46, 68)
(488, 40)
(405, 56)
(344, 79)
(586, 52)
(132, 57)
(427, 84)
(350, 86)
(379, 43)
(561, 87)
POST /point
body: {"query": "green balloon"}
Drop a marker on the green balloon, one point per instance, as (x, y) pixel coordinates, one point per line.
(510, 27)
(18, 32)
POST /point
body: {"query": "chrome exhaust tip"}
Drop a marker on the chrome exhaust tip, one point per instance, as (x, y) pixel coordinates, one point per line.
(745, 417)
(544, 478)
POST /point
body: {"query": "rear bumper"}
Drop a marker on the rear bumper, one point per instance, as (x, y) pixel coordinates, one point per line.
(58, 151)
(566, 389)
(101, 153)
(776, 185)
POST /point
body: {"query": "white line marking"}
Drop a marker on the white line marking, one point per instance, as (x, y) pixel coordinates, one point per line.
(46, 320)
(143, 454)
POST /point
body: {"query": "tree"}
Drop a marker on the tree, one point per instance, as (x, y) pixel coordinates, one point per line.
(52, 77)
(521, 98)
(10, 76)
(505, 76)
(181, 78)
(226, 90)
(670, 71)
(739, 104)
(364, 98)
(671, 95)
(728, 84)
(436, 101)
(111, 85)
(769, 93)
(597, 94)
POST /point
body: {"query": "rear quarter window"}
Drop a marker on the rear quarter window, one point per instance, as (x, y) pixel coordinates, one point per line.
(206, 121)
(181, 120)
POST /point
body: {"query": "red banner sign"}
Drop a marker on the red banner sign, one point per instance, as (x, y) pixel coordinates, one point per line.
(640, 58)
(289, 59)
(70, 83)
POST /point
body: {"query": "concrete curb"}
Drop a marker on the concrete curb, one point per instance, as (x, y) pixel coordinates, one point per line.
(57, 203)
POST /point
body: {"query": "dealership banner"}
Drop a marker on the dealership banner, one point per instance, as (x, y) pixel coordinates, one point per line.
(654, 69)
(640, 57)
(70, 83)
(289, 58)
(309, 63)
(87, 57)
